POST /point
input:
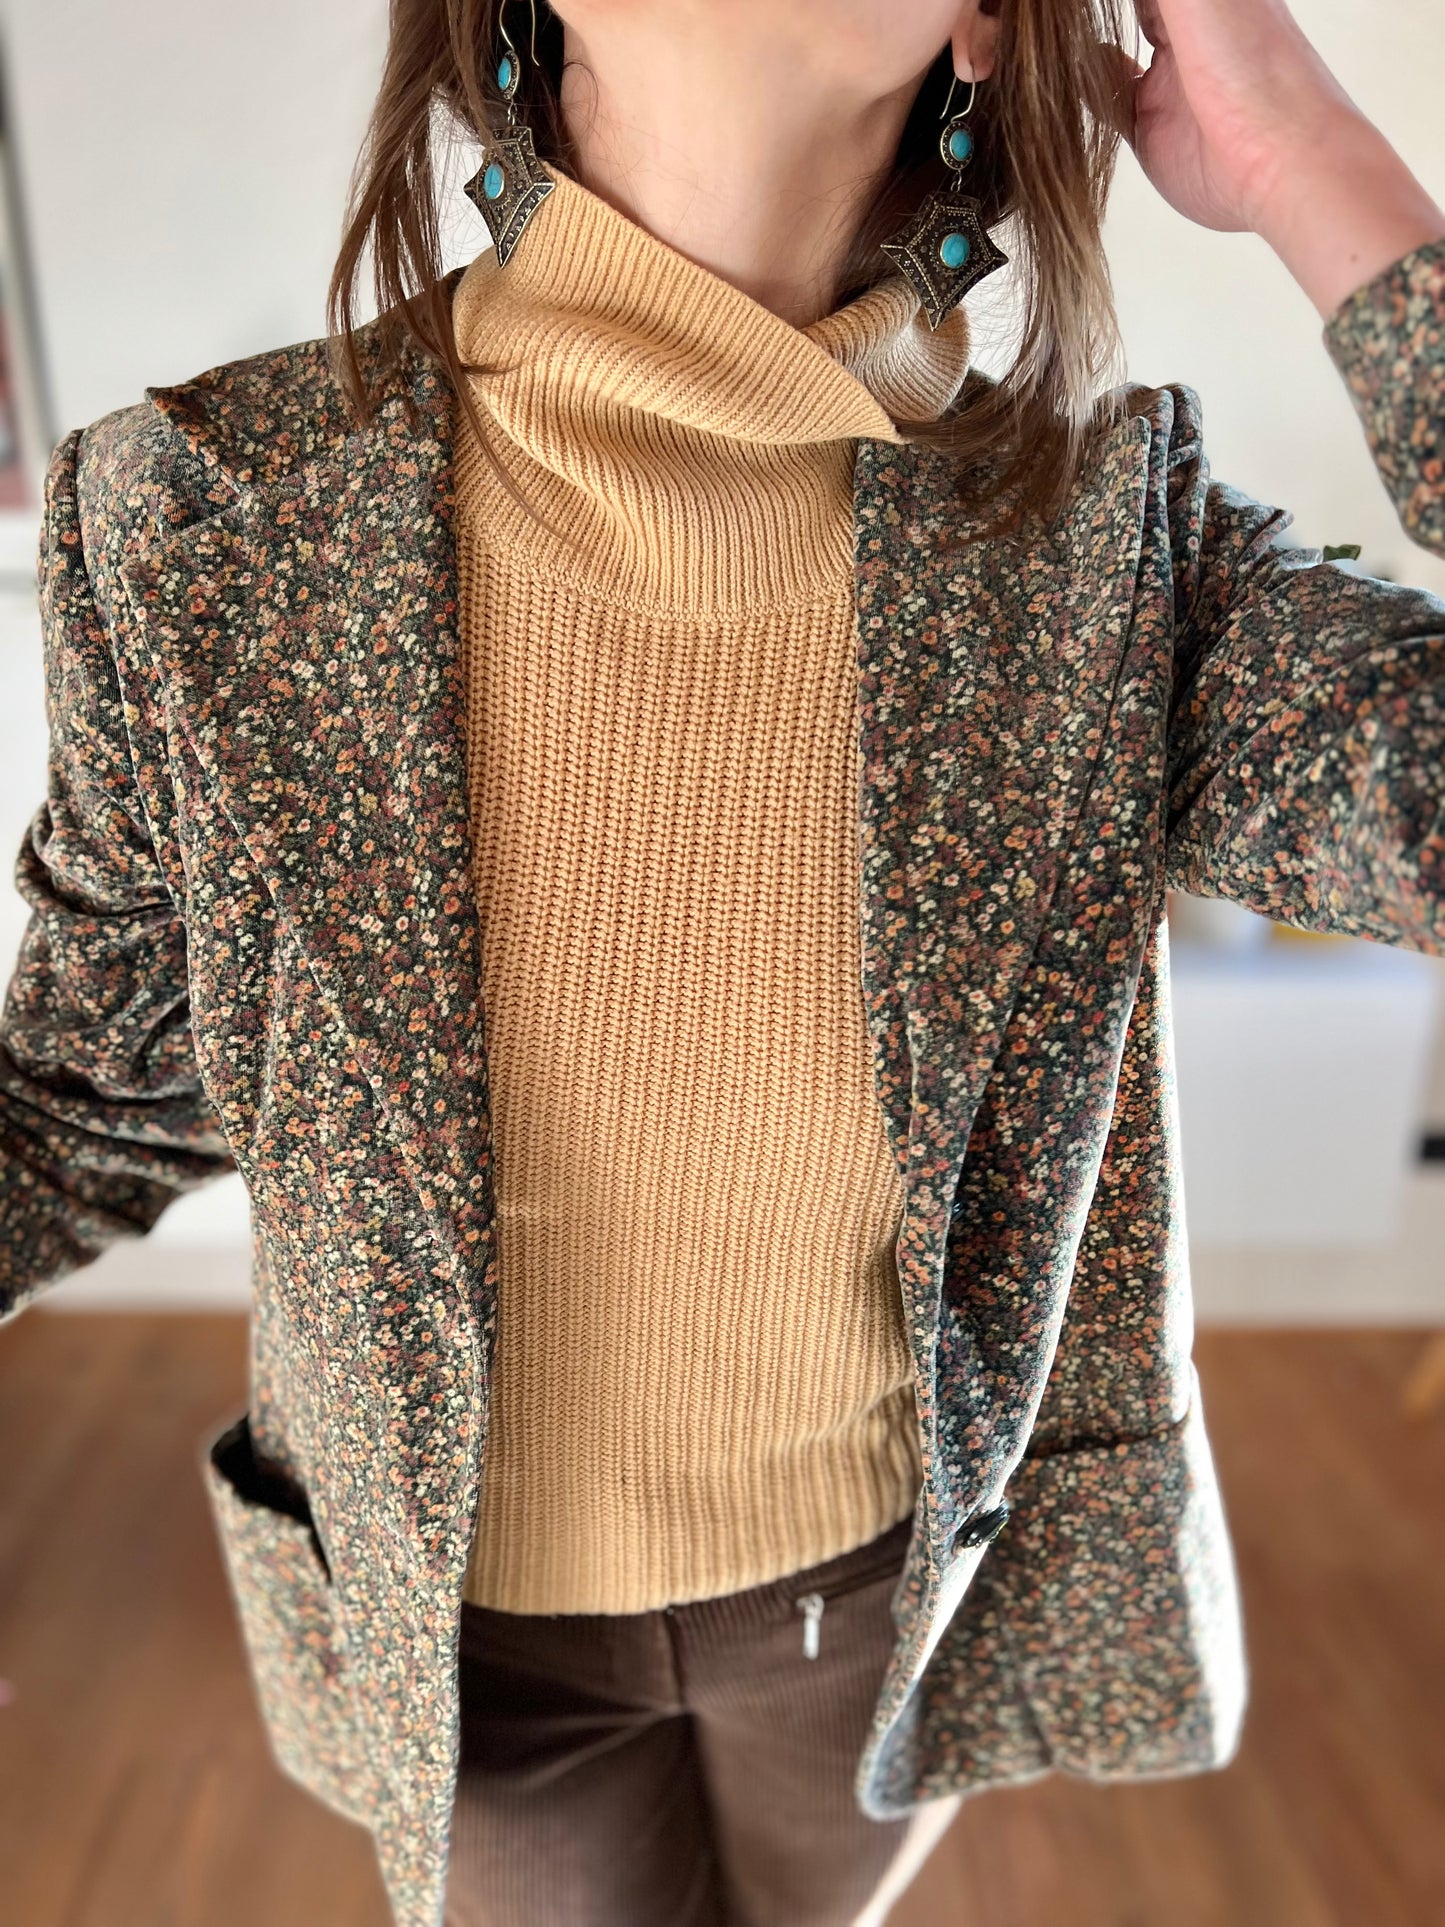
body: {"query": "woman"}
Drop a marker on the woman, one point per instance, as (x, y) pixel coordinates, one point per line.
(701, 1434)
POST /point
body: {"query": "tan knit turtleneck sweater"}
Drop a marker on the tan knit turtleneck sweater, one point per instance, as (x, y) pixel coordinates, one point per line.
(701, 1379)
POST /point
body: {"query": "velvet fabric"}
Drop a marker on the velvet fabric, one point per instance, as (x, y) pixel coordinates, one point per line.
(253, 946)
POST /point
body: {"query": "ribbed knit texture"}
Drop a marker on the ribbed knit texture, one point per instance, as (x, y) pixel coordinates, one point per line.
(702, 1379)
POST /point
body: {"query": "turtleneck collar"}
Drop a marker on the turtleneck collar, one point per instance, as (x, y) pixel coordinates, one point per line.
(670, 421)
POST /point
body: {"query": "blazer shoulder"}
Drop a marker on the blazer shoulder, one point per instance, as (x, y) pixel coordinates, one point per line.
(156, 465)
(252, 420)
(1174, 416)
(257, 419)
(136, 479)
(180, 456)
(189, 448)
(1178, 492)
(192, 443)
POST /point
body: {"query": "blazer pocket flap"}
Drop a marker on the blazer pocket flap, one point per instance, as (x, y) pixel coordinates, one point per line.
(281, 1585)
(1117, 1591)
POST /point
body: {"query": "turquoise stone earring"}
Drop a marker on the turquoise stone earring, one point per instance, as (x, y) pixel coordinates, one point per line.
(945, 248)
(510, 185)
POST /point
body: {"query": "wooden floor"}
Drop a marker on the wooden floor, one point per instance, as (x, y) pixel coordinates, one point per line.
(136, 1789)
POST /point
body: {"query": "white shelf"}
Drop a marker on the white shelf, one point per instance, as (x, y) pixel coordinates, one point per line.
(1301, 1072)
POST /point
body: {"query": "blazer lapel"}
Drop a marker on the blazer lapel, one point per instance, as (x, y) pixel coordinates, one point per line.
(986, 675)
(306, 636)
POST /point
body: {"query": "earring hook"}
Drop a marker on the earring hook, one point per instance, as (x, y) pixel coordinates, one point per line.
(502, 23)
(972, 92)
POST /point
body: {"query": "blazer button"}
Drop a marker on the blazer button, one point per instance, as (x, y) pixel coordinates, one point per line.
(981, 1529)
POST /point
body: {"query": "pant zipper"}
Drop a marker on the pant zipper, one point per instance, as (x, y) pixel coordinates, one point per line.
(811, 1606)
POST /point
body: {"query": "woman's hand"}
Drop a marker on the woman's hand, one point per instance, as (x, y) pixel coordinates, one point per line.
(1234, 94)
(1240, 125)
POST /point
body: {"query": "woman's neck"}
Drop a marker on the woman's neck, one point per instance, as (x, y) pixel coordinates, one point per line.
(753, 158)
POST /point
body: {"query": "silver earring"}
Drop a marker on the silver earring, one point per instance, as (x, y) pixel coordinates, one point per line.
(510, 185)
(945, 249)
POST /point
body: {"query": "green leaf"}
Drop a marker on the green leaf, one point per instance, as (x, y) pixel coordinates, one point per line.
(1345, 552)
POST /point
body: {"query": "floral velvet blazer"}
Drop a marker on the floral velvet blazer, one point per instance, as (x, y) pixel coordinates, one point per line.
(254, 945)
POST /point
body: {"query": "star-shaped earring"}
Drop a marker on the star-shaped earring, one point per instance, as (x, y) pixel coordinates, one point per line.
(510, 185)
(945, 249)
(508, 188)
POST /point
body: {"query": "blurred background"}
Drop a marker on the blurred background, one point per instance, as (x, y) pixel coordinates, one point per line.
(172, 177)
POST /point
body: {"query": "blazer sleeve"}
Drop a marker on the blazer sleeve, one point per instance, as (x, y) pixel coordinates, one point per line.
(1306, 753)
(103, 1117)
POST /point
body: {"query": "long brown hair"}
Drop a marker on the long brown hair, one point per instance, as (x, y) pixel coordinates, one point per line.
(1046, 133)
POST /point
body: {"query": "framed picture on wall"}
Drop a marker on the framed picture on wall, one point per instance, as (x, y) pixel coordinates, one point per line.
(26, 437)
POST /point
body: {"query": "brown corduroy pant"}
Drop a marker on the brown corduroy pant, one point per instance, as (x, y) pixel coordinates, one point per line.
(687, 1767)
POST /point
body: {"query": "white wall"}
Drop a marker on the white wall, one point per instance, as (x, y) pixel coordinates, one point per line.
(186, 165)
